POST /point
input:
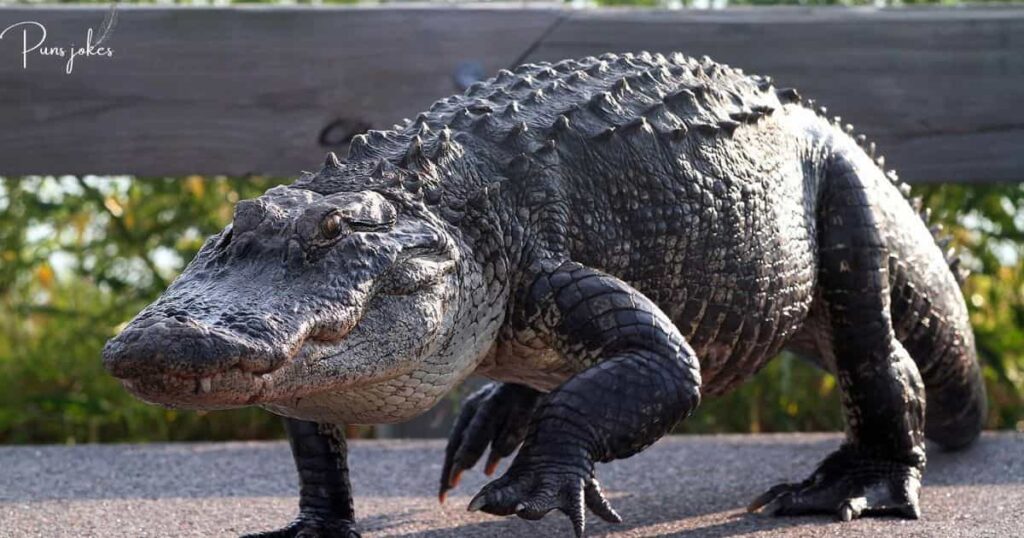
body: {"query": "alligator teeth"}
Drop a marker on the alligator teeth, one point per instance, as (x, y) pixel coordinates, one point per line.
(205, 383)
(128, 384)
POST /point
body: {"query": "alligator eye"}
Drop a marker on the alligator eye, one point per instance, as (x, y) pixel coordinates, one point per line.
(332, 226)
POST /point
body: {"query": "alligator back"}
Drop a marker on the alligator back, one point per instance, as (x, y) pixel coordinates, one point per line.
(684, 178)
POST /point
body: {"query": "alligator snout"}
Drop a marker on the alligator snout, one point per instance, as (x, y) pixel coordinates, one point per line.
(183, 347)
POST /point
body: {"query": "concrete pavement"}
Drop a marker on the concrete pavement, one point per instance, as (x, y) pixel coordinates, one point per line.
(682, 486)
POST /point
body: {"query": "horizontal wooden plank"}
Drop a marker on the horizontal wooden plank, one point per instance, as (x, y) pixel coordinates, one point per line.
(236, 90)
(267, 90)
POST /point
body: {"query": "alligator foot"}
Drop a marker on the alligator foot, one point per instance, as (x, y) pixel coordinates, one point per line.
(497, 415)
(312, 527)
(532, 493)
(848, 485)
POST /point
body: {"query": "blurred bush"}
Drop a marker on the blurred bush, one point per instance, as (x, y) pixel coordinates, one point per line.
(78, 257)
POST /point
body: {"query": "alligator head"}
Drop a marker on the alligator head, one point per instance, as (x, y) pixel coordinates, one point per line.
(303, 294)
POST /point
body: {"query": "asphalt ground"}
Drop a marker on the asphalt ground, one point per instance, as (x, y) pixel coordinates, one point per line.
(682, 486)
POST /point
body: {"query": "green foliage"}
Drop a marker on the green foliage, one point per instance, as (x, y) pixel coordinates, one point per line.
(788, 395)
(78, 258)
(987, 226)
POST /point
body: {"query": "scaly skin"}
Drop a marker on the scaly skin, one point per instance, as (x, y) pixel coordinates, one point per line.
(607, 238)
(325, 505)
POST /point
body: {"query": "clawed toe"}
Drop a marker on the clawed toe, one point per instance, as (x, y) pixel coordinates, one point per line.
(496, 415)
(849, 488)
(790, 501)
(765, 502)
(532, 498)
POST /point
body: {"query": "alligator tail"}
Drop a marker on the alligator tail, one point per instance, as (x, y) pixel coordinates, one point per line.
(930, 320)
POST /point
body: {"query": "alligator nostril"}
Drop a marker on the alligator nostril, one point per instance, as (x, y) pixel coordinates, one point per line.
(225, 239)
(249, 214)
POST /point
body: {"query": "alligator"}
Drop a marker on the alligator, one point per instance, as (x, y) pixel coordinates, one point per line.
(607, 239)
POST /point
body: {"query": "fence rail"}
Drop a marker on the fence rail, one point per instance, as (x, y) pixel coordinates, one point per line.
(267, 90)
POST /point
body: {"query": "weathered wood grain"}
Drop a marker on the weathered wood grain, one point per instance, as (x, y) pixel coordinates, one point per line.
(243, 90)
(238, 90)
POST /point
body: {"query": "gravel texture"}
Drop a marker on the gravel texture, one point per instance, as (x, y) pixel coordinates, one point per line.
(682, 486)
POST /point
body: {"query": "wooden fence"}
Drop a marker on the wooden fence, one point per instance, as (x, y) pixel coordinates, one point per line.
(266, 90)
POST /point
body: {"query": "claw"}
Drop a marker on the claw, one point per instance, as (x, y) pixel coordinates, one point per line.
(780, 505)
(579, 524)
(453, 480)
(477, 503)
(492, 464)
(852, 508)
(757, 504)
(766, 498)
(599, 505)
(577, 513)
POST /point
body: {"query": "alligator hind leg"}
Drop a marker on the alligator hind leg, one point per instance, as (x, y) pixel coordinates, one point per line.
(877, 471)
(325, 496)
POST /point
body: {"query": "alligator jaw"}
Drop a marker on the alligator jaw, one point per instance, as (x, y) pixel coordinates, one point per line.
(236, 387)
(232, 388)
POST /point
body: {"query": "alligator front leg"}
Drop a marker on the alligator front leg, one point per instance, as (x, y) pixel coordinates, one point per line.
(878, 469)
(325, 498)
(638, 378)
